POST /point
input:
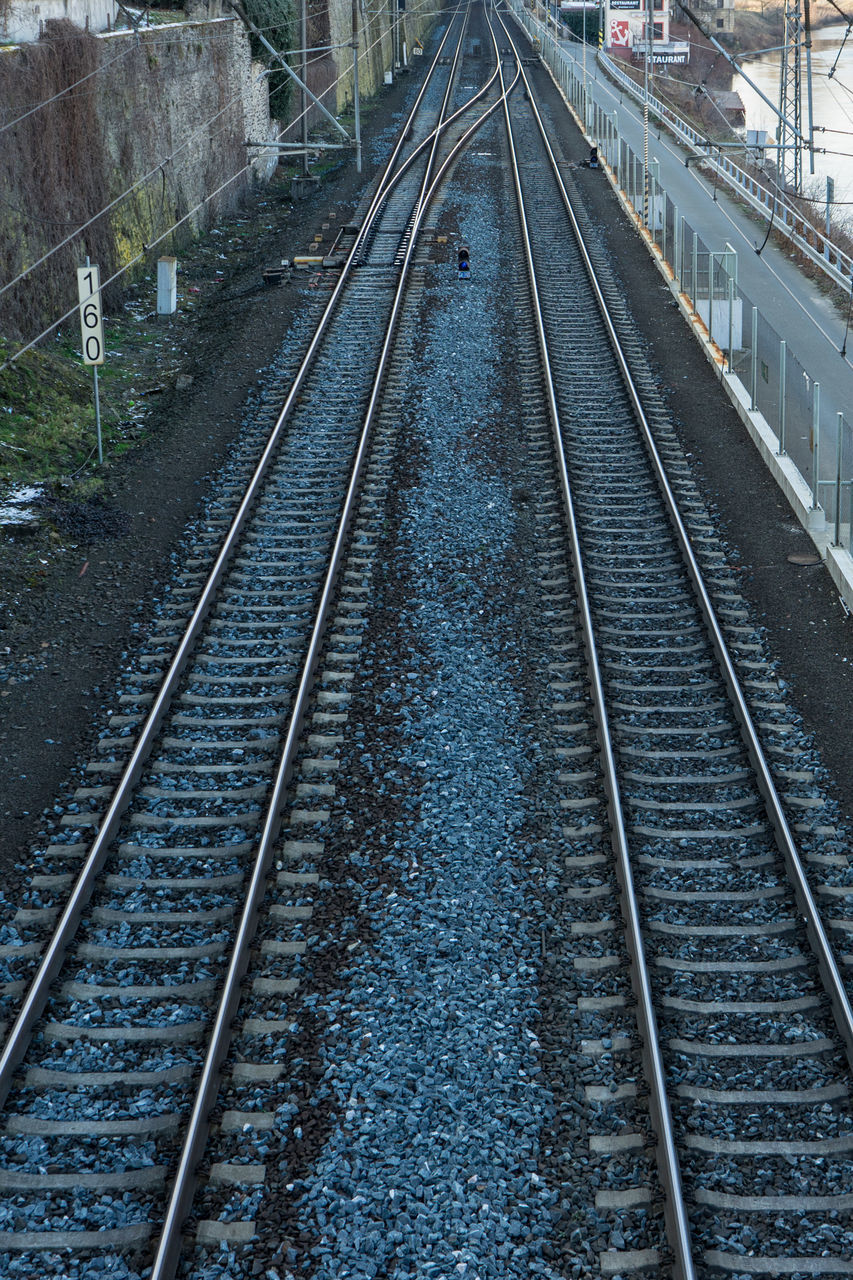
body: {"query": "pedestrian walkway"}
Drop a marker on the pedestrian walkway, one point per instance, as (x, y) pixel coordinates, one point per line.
(774, 333)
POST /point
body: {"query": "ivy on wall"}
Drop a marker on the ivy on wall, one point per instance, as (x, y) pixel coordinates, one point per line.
(277, 19)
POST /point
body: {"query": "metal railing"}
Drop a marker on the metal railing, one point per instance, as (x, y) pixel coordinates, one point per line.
(789, 221)
(778, 385)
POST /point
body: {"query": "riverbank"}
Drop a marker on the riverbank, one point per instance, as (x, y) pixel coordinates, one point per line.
(760, 25)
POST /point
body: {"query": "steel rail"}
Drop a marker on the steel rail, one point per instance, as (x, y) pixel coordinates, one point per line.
(830, 973)
(678, 1227)
(389, 182)
(440, 129)
(425, 186)
(37, 994)
(169, 1244)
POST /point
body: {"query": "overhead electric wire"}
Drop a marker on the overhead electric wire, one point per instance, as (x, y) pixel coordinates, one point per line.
(840, 50)
(846, 16)
(206, 35)
(131, 48)
(779, 197)
(132, 262)
(123, 195)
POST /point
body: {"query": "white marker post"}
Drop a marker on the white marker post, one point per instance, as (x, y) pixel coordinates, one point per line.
(92, 330)
(167, 286)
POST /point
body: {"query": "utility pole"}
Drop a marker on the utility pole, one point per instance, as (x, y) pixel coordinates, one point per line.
(585, 111)
(285, 66)
(356, 103)
(797, 36)
(789, 156)
(303, 72)
(646, 81)
(807, 13)
(788, 105)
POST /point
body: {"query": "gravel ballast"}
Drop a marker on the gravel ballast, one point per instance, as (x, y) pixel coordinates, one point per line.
(426, 1147)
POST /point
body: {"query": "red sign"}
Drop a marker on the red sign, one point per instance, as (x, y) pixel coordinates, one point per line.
(619, 32)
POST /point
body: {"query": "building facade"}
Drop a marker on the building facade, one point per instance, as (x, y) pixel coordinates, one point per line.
(625, 25)
(717, 15)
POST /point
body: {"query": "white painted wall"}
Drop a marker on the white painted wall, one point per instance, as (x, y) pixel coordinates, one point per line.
(22, 22)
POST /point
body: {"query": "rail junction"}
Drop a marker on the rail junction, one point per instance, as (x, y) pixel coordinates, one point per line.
(453, 892)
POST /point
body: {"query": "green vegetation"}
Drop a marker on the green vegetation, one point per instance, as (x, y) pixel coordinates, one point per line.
(156, 17)
(44, 421)
(574, 22)
(47, 410)
(277, 20)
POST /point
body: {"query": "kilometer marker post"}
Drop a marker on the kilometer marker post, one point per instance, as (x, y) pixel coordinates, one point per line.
(92, 331)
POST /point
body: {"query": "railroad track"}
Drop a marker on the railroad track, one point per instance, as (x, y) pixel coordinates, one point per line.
(330, 812)
(743, 1012)
(115, 1042)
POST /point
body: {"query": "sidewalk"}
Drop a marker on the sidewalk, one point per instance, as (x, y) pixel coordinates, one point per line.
(801, 313)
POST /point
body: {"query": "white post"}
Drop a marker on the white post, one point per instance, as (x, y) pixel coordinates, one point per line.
(663, 245)
(92, 333)
(783, 351)
(815, 445)
(838, 452)
(710, 295)
(731, 320)
(167, 286)
(694, 271)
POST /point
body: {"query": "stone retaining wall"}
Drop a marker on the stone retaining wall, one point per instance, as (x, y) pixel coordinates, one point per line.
(167, 113)
(158, 136)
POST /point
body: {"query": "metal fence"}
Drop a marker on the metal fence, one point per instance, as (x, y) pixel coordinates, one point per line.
(819, 444)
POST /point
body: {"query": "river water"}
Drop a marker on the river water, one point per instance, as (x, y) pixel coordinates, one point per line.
(833, 108)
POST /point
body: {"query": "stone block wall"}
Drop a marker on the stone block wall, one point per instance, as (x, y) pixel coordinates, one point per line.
(375, 38)
(158, 137)
(330, 23)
